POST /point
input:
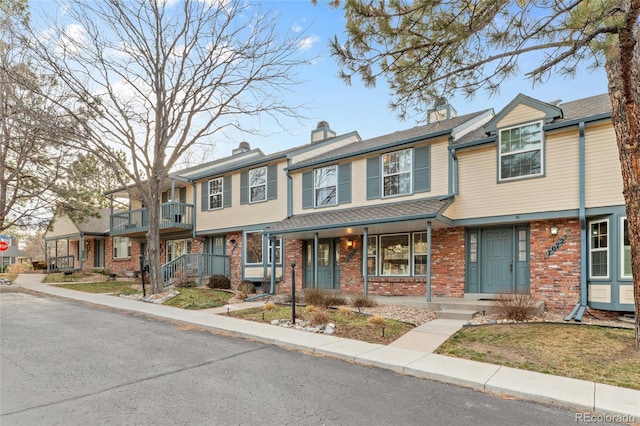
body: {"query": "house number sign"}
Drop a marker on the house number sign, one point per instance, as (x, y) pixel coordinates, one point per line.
(555, 247)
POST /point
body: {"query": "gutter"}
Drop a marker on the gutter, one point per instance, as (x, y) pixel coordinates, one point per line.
(578, 310)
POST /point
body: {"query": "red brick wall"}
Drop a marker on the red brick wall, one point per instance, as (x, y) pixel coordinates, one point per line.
(293, 253)
(121, 266)
(556, 279)
(448, 262)
(234, 250)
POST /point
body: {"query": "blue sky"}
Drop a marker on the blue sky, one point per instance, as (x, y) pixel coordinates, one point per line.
(354, 107)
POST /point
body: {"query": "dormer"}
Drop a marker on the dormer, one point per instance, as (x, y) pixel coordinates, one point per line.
(523, 109)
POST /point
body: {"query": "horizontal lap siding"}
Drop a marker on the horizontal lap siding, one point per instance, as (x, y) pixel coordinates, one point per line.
(603, 177)
(519, 115)
(481, 196)
(62, 225)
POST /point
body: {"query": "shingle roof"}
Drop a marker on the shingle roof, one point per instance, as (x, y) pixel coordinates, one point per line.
(378, 142)
(96, 225)
(381, 213)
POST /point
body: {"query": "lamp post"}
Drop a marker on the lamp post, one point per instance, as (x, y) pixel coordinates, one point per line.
(293, 292)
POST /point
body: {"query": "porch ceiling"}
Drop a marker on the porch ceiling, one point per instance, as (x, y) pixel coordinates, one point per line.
(404, 216)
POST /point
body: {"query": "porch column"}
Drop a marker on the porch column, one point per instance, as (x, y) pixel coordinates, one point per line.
(365, 260)
(272, 286)
(81, 250)
(315, 260)
(428, 261)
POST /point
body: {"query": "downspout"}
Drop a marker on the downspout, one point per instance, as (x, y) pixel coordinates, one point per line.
(365, 260)
(81, 250)
(429, 261)
(453, 172)
(289, 190)
(315, 260)
(272, 287)
(578, 310)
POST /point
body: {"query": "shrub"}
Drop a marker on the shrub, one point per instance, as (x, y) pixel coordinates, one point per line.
(376, 320)
(309, 308)
(362, 301)
(219, 281)
(269, 306)
(324, 298)
(516, 306)
(17, 268)
(319, 316)
(335, 299)
(184, 282)
(343, 310)
(246, 287)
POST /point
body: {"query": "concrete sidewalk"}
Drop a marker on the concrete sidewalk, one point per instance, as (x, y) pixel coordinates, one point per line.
(409, 355)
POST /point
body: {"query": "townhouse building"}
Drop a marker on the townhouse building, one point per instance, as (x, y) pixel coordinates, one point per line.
(526, 199)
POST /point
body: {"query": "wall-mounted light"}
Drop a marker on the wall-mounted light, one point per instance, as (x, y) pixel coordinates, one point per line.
(349, 244)
(554, 230)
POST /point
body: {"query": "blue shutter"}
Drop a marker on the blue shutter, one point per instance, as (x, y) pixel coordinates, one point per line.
(373, 178)
(272, 182)
(226, 191)
(422, 169)
(244, 188)
(182, 194)
(307, 190)
(165, 197)
(204, 196)
(344, 183)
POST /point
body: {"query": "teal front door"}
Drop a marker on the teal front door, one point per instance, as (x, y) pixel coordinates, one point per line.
(497, 260)
(327, 266)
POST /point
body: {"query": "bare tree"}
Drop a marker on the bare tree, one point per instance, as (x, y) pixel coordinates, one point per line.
(159, 77)
(427, 49)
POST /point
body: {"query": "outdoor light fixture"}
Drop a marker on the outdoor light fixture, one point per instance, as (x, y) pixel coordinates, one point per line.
(554, 230)
(349, 243)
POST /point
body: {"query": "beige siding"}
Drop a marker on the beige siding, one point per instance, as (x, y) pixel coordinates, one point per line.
(321, 148)
(600, 293)
(253, 272)
(603, 174)
(246, 214)
(479, 194)
(62, 225)
(626, 294)
(439, 182)
(519, 115)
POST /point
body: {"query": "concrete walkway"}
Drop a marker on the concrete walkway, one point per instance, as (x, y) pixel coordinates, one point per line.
(411, 355)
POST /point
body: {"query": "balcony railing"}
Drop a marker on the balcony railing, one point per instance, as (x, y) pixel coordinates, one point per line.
(196, 266)
(174, 216)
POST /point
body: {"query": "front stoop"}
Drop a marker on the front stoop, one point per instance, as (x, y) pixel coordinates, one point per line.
(457, 314)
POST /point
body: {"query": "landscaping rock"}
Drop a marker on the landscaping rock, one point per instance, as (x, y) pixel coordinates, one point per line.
(275, 322)
(329, 330)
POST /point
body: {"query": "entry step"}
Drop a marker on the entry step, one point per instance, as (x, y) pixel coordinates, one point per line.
(458, 314)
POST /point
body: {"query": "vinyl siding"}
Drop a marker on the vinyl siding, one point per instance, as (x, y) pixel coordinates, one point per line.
(604, 176)
(245, 214)
(62, 225)
(479, 194)
(519, 115)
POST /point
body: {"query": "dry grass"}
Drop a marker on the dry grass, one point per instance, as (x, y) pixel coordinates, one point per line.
(593, 353)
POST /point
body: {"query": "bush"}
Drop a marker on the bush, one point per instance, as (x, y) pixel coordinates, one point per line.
(269, 306)
(324, 298)
(17, 268)
(362, 301)
(376, 320)
(516, 306)
(319, 316)
(246, 287)
(309, 308)
(219, 281)
(184, 283)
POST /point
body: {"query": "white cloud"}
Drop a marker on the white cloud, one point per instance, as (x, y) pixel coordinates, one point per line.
(308, 42)
(72, 40)
(296, 28)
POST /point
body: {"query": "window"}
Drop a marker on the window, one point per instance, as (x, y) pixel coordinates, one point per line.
(278, 243)
(473, 247)
(258, 184)
(396, 173)
(372, 255)
(599, 249)
(523, 247)
(521, 151)
(626, 249)
(121, 247)
(215, 193)
(394, 252)
(325, 186)
(253, 248)
(420, 253)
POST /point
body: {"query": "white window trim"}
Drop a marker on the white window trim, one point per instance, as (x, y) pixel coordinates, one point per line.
(376, 272)
(128, 247)
(266, 181)
(591, 250)
(622, 275)
(315, 188)
(414, 254)
(270, 246)
(216, 193)
(500, 154)
(408, 274)
(383, 175)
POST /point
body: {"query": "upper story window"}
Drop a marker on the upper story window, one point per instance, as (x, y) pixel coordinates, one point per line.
(258, 184)
(520, 151)
(325, 181)
(215, 193)
(396, 173)
(599, 249)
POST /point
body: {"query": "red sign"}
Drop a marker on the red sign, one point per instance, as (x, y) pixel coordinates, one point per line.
(4, 246)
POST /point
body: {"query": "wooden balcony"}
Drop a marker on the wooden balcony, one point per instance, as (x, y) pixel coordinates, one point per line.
(174, 217)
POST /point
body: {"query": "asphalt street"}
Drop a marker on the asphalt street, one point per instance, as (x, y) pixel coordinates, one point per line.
(63, 362)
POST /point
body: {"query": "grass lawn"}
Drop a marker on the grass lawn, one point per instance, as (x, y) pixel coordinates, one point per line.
(351, 325)
(60, 277)
(199, 298)
(593, 353)
(115, 287)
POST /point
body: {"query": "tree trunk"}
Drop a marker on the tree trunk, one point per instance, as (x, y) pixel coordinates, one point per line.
(625, 102)
(153, 244)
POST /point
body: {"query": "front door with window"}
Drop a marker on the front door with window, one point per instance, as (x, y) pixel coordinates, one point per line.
(498, 260)
(328, 268)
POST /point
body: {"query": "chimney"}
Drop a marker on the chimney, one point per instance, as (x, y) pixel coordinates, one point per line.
(442, 110)
(242, 148)
(322, 132)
